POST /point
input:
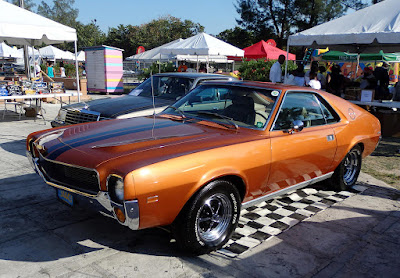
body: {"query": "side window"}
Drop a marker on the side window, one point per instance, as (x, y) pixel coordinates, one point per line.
(210, 95)
(177, 87)
(299, 106)
(330, 115)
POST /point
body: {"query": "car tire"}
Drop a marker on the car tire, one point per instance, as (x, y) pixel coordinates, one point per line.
(346, 174)
(209, 218)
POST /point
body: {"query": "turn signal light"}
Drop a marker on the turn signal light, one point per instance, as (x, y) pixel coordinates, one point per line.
(120, 215)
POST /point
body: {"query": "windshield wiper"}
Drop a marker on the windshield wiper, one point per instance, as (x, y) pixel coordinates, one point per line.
(179, 111)
(229, 119)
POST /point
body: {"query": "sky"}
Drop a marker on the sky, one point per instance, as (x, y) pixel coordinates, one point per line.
(215, 15)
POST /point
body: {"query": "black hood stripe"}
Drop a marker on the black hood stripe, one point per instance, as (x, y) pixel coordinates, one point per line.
(59, 149)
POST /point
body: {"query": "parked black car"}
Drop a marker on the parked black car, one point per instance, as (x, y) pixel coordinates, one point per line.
(167, 89)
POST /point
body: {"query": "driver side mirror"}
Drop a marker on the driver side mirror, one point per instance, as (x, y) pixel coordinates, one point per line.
(295, 126)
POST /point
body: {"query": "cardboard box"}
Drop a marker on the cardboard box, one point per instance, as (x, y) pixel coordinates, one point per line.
(366, 95)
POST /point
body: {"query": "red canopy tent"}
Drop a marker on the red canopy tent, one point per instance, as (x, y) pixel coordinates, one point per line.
(262, 50)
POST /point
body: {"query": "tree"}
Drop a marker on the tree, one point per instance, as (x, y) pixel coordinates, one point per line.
(238, 37)
(152, 34)
(89, 34)
(28, 4)
(121, 37)
(278, 18)
(61, 11)
(165, 29)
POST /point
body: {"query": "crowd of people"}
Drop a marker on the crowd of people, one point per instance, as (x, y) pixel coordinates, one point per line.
(334, 81)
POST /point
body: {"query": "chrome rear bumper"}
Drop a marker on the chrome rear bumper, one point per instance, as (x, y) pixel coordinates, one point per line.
(130, 208)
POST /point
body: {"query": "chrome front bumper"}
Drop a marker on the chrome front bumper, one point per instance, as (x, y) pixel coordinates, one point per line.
(130, 208)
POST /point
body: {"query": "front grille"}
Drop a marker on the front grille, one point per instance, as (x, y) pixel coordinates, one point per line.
(83, 116)
(81, 179)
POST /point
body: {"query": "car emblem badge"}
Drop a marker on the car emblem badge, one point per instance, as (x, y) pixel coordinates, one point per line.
(352, 114)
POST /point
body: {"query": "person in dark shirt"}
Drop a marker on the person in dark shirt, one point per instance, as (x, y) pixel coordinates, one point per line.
(335, 81)
(382, 79)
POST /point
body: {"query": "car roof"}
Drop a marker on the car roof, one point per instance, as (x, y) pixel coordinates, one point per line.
(194, 75)
(259, 84)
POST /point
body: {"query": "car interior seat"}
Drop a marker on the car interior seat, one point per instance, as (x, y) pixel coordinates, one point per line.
(241, 109)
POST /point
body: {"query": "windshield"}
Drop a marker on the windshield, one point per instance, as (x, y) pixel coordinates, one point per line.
(244, 106)
(166, 87)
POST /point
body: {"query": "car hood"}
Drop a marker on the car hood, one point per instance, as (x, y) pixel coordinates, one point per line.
(141, 141)
(116, 106)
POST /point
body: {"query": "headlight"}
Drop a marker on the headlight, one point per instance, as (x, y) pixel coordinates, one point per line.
(115, 186)
(61, 115)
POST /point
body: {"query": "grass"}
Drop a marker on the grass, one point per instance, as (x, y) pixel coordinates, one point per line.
(384, 162)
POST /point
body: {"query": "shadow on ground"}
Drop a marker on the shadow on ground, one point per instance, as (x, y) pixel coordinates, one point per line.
(35, 227)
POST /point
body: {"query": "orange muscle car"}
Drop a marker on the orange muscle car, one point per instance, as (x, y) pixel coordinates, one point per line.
(224, 146)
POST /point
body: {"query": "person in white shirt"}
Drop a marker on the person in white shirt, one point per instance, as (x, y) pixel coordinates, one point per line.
(314, 82)
(62, 70)
(37, 70)
(275, 74)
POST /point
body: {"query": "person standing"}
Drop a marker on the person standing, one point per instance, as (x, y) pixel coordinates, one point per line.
(62, 70)
(299, 76)
(322, 76)
(382, 78)
(314, 82)
(335, 81)
(275, 74)
(50, 70)
(37, 70)
(313, 68)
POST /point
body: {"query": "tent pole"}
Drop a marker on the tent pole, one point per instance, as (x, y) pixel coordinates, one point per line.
(358, 65)
(287, 58)
(159, 64)
(26, 53)
(77, 72)
(26, 61)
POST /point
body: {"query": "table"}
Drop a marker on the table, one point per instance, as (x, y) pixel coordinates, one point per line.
(38, 101)
(390, 119)
(377, 103)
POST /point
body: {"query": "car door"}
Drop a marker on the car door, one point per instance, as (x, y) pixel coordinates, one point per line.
(301, 156)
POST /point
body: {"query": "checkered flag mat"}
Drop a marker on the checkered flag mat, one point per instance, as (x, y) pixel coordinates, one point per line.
(270, 218)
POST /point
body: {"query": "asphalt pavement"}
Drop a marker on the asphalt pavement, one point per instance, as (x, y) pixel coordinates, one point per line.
(40, 237)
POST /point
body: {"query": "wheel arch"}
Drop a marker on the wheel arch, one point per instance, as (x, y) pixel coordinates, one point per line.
(235, 179)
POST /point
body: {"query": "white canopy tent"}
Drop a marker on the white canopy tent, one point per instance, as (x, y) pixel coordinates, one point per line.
(202, 44)
(9, 52)
(31, 51)
(204, 58)
(154, 54)
(371, 29)
(81, 56)
(202, 47)
(53, 53)
(22, 27)
(33, 55)
(70, 56)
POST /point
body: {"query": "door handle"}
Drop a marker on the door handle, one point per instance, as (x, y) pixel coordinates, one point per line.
(330, 137)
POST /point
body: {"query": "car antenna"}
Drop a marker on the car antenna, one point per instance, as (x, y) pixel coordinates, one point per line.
(154, 106)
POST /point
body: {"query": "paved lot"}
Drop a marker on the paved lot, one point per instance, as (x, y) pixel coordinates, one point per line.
(39, 237)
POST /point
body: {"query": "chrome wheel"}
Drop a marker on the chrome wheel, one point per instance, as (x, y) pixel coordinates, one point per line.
(351, 166)
(213, 218)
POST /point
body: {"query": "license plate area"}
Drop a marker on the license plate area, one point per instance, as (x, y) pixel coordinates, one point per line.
(65, 197)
